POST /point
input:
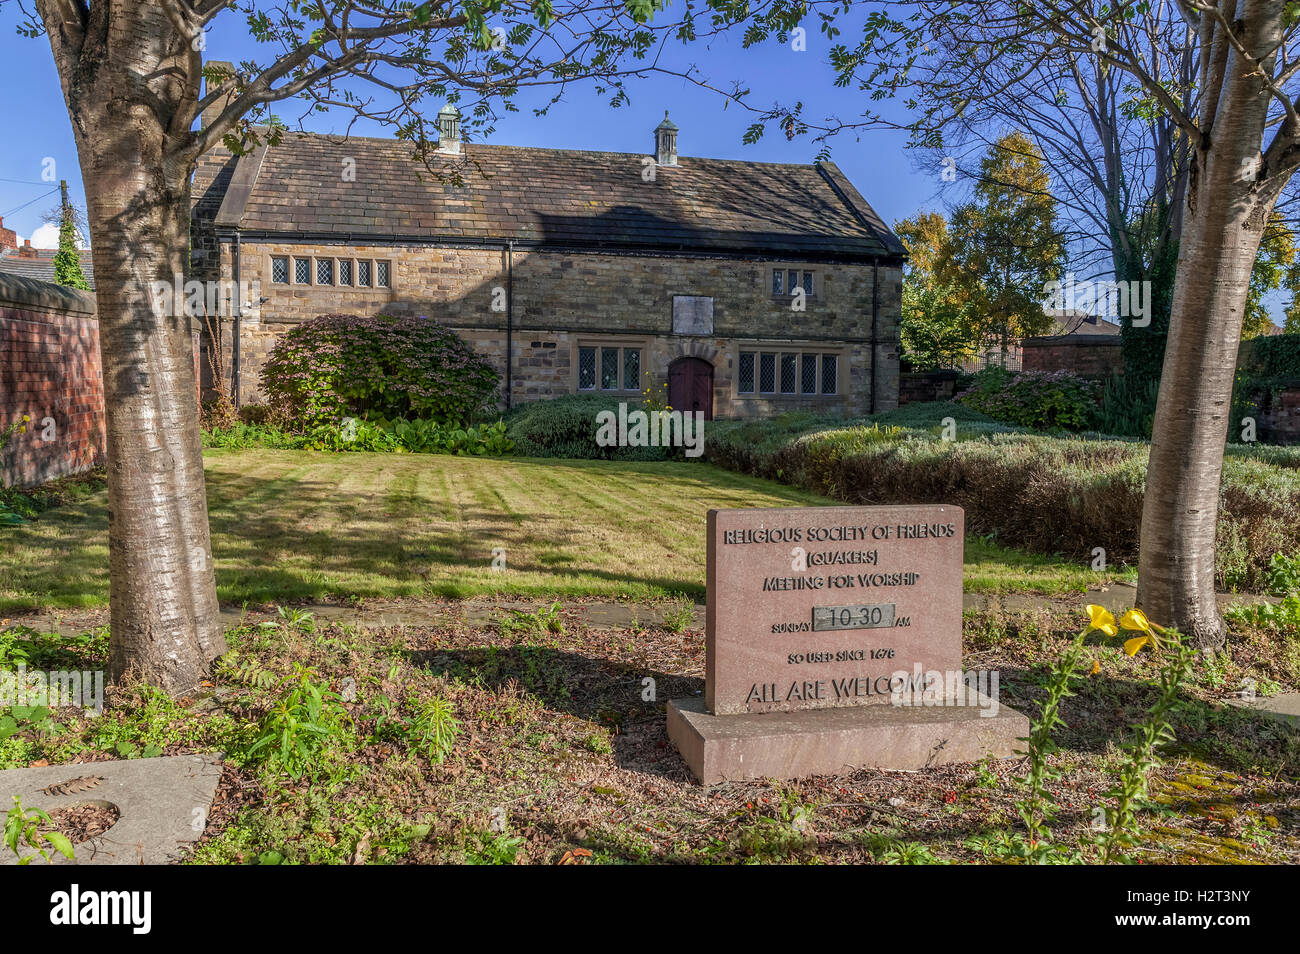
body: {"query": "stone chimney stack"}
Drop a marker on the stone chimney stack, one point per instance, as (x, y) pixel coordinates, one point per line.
(449, 131)
(221, 102)
(666, 142)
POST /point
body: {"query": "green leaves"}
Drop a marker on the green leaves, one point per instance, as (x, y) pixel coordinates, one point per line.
(301, 723)
(337, 366)
(37, 719)
(23, 830)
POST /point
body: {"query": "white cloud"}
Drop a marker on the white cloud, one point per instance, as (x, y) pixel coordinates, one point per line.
(47, 236)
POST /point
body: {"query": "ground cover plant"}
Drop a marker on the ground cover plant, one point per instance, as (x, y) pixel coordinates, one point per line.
(528, 738)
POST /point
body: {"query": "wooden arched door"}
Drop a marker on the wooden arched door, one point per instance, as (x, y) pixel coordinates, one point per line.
(690, 386)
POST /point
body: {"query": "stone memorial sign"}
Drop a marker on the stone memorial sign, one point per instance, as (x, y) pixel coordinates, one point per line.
(819, 606)
(692, 315)
(834, 642)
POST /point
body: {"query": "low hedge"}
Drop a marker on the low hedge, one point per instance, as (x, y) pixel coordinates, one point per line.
(566, 427)
(1046, 494)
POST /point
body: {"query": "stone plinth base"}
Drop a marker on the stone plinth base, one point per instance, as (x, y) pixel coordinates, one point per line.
(830, 741)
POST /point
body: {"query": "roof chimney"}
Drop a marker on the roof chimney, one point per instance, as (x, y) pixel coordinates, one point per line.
(449, 130)
(666, 142)
(218, 105)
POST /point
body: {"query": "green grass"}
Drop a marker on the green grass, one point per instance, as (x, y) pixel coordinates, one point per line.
(991, 568)
(298, 525)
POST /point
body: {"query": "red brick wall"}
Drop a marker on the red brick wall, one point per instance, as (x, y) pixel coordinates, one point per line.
(50, 371)
(1090, 356)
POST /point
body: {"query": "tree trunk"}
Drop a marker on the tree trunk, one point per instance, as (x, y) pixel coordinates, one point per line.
(1223, 224)
(126, 79)
(165, 622)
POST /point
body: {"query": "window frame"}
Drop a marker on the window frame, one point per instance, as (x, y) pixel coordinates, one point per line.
(811, 272)
(803, 355)
(354, 264)
(288, 269)
(621, 346)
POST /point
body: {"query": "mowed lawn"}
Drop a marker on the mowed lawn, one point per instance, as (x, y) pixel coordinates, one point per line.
(298, 525)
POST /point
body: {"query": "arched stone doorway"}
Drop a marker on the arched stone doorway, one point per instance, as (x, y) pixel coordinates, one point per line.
(690, 386)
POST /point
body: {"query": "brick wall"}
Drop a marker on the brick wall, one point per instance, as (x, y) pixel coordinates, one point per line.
(565, 300)
(49, 371)
(1090, 356)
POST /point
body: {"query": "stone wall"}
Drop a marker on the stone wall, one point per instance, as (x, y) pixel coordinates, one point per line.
(916, 387)
(563, 301)
(49, 371)
(1090, 356)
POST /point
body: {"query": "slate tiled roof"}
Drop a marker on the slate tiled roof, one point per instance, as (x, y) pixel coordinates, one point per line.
(558, 197)
(42, 267)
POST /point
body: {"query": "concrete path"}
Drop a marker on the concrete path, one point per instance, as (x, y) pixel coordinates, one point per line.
(163, 805)
(1117, 598)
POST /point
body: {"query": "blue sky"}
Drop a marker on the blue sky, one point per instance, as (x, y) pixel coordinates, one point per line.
(876, 163)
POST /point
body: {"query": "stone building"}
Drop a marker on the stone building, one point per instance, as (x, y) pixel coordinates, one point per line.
(748, 288)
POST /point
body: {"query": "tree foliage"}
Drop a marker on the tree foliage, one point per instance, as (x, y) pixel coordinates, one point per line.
(936, 328)
(1275, 268)
(977, 281)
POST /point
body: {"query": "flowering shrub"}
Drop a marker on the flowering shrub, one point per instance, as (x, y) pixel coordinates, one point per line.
(336, 366)
(1048, 400)
(17, 427)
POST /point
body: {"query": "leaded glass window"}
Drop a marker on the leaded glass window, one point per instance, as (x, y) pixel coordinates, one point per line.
(808, 376)
(586, 369)
(788, 362)
(345, 271)
(363, 274)
(767, 373)
(302, 271)
(280, 271)
(829, 369)
(381, 274)
(631, 368)
(745, 373)
(609, 369)
(324, 271)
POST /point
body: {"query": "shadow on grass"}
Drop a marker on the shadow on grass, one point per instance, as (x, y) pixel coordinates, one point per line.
(602, 691)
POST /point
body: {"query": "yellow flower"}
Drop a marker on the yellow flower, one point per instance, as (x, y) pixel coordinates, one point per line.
(1136, 621)
(1099, 618)
(1131, 646)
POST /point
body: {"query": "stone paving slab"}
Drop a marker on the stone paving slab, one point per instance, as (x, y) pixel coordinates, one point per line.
(163, 805)
(1284, 707)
